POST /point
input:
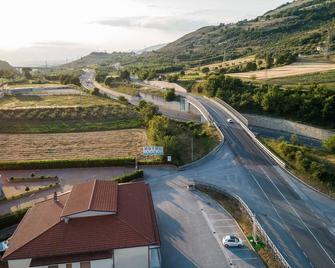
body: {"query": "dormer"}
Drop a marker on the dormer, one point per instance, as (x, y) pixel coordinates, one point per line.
(94, 198)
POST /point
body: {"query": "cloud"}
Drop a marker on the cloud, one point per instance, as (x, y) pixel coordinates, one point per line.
(55, 44)
(180, 23)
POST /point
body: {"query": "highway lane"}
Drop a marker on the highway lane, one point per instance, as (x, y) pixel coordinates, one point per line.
(304, 236)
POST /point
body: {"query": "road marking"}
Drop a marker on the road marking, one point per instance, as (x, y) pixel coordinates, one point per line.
(302, 221)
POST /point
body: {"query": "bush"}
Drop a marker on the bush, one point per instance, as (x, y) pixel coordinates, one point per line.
(329, 144)
(71, 163)
(130, 176)
(169, 94)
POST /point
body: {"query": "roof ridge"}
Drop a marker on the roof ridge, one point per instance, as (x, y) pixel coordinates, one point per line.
(91, 198)
(133, 228)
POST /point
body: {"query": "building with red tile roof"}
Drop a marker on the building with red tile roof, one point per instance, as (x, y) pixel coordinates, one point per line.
(97, 224)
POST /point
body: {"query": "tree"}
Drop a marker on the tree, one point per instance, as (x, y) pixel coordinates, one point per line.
(169, 94)
(109, 80)
(147, 110)
(329, 144)
(26, 72)
(125, 75)
(173, 78)
(205, 70)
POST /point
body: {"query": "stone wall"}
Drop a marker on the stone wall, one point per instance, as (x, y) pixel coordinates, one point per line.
(288, 126)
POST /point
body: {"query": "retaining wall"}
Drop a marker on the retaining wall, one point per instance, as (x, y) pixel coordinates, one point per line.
(288, 126)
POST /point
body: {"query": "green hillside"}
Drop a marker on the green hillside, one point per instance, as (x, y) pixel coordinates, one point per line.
(304, 27)
(5, 66)
(300, 26)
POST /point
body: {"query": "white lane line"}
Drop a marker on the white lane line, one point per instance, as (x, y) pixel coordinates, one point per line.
(295, 212)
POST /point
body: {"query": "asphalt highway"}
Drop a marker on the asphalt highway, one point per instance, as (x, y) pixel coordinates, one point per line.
(302, 234)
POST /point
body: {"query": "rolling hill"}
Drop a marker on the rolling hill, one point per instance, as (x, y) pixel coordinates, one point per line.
(5, 66)
(301, 27)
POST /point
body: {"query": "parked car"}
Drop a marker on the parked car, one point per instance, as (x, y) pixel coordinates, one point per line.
(229, 120)
(232, 241)
(3, 247)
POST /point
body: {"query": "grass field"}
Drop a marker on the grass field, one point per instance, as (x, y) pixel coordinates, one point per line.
(298, 68)
(116, 143)
(52, 101)
(325, 79)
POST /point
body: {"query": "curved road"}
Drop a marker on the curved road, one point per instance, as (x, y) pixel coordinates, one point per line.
(301, 225)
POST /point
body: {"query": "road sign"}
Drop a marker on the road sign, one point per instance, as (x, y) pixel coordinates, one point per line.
(153, 150)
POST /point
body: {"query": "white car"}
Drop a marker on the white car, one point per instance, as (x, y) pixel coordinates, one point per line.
(232, 241)
(229, 120)
(3, 247)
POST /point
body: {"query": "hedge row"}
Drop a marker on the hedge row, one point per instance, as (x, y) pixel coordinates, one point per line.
(12, 218)
(110, 112)
(71, 163)
(130, 176)
(31, 179)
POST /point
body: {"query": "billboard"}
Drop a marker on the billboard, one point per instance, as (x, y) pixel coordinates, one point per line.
(153, 150)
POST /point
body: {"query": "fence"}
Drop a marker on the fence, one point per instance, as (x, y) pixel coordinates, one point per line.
(260, 229)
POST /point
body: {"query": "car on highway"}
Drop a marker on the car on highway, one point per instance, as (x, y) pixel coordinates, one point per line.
(229, 120)
(232, 241)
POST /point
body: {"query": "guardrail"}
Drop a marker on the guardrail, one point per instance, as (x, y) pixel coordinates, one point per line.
(249, 132)
(232, 110)
(252, 215)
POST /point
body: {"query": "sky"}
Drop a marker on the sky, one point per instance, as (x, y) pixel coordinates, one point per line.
(39, 32)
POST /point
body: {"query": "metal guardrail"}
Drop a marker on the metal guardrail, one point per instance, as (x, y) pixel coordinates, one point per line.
(232, 110)
(252, 215)
(249, 132)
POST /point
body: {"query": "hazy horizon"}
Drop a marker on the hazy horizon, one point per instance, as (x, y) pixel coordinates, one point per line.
(53, 32)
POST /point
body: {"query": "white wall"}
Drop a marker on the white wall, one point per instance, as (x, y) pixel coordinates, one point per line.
(23, 263)
(131, 257)
(90, 214)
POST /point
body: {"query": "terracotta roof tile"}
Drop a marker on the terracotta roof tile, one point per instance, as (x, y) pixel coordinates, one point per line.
(42, 234)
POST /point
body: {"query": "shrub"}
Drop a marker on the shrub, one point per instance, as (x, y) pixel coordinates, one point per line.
(169, 94)
(130, 176)
(329, 144)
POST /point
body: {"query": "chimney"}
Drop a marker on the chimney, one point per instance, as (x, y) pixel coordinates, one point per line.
(55, 196)
(66, 219)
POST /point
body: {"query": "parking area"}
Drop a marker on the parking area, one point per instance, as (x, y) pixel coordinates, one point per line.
(222, 224)
(192, 225)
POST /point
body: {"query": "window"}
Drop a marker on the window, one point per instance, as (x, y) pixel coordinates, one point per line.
(85, 264)
(69, 265)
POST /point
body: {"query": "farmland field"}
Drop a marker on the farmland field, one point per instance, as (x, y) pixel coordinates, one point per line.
(116, 143)
(298, 68)
(52, 101)
(325, 79)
